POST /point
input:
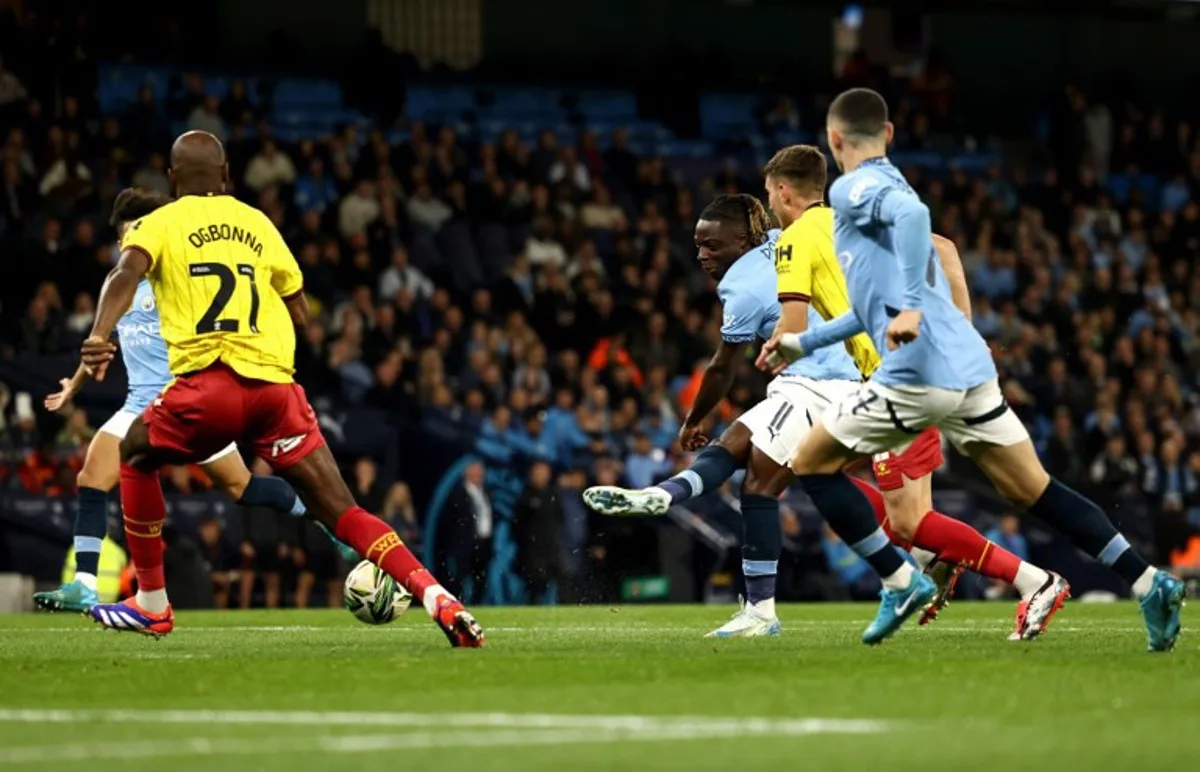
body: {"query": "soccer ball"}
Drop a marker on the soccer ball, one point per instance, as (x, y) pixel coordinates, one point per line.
(372, 596)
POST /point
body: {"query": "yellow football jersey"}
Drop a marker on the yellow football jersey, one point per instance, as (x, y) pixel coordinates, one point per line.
(806, 268)
(220, 271)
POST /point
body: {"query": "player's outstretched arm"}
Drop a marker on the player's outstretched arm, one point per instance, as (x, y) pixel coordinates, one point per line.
(952, 266)
(793, 346)
(115, 298)
(69, 388)
(714, 385)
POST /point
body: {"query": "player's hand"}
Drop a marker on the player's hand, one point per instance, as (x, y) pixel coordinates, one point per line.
(56, 401)
(247, 550)
(769, 359)
(692, 437)
(905, 328)
(299, 559)
(97, 353)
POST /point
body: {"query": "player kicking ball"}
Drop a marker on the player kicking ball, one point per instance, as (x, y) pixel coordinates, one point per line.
(230, 295)
(145, 355)
(936, 369)
(809, 277)
(735, 247)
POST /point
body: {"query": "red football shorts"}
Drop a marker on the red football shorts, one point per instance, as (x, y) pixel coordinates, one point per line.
(922, 457)
(202, 412)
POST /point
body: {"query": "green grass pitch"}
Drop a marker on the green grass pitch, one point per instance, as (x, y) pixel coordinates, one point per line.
(597, 688)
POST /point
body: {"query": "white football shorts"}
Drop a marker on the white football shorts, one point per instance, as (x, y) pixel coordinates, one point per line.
(793, 404)
(878, 418)
(118, 426)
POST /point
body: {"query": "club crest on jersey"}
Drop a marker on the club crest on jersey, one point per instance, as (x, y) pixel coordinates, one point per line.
(860, 189)
(147, 303)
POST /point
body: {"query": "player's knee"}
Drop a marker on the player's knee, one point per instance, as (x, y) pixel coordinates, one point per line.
(754, 485)
(904, 521)
(236, 489)
(88, 478)
(1022, 488)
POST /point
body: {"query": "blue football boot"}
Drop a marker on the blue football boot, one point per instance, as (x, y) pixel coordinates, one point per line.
(896, 606)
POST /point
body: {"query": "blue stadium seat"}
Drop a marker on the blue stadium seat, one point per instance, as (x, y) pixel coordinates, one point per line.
(728, 115)
(290, 93)
(616, 106)
(686, 148)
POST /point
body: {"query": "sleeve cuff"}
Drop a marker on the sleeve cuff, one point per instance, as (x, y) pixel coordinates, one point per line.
(293, 295)
(784, 297)
(739, 338)
(143, 250)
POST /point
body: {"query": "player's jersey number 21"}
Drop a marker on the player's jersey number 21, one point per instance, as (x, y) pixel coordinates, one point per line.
(226, 280)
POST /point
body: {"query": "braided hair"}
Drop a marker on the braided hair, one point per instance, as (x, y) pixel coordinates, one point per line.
(135, 203)
(743, 209)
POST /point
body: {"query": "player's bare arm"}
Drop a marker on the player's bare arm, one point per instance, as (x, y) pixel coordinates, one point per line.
(68, 388)
(115, 298)
(714, 385)
(952, 266)
(793, 320)
(297, 306)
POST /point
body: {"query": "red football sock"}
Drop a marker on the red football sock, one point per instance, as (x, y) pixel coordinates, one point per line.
(876, 498)
(144, 510)
(378, 543)
(957, 542)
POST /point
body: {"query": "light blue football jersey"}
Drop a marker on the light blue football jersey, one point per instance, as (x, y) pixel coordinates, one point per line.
(143, 350)
(949, 353)
(750, 304)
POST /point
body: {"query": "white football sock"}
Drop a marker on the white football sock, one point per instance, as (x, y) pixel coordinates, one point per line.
(86, 579)
(1029, 579)
(923, 557)
(432, 593)
(901, 579)
(154, 601)
(766, 607)
(1144, 583)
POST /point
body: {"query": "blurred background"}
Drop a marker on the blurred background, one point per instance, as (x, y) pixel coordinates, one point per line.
(493, 204)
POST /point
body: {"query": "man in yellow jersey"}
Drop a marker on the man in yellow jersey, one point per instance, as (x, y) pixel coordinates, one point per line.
(808, 274)
(229, 294)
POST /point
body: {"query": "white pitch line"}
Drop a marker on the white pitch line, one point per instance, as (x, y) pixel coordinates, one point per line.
(394, 719)
(203, 746)
(638, 629)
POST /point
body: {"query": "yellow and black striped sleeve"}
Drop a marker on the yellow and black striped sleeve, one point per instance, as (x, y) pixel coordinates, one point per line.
(793, 265)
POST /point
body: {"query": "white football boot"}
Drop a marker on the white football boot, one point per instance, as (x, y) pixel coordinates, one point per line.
(749, 621)
(611, 500)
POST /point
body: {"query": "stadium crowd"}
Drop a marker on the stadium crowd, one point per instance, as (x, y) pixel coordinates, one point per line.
(546, 295)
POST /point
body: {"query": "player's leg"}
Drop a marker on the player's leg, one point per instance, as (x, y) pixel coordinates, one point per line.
(180, 426)
(227, 470)
(870, 421)
(774, 427)
(708, 471)
(1000, 445)
(906, 480)
(100, 473)
(290, 440)
(320, 484)
(762, 544)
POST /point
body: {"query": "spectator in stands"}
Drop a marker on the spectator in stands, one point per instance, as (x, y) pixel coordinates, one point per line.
(206, 116)
(537, 531)
(315, 192)
(269, 167)
(358, 210)
(426, 211)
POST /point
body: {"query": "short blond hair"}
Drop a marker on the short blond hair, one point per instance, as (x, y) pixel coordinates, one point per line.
(804, 166)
